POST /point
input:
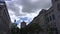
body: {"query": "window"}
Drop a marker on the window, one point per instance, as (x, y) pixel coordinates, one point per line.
(47, 19)
(50, 18)
(0, 8)
(52, 10)
(56, 30)
(53, 17)
(58, 6)
(0, 20)
(56, 0)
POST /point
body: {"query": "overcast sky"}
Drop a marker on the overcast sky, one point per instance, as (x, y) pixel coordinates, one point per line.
(26, 9)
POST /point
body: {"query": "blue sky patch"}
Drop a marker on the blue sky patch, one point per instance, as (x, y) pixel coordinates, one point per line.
(25, 18)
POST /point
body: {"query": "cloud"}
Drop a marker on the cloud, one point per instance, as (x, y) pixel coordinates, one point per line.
(26, 19)
(40, 4)
(29, 6)
(19, 25)
(13, 16)
(26, 9)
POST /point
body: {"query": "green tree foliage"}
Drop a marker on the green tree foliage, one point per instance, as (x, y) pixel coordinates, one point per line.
(23, 31)
(50, 29)
(14, 29)
(34, 27)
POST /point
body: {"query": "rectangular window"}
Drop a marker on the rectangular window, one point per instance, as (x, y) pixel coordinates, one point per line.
(47, 19)
(50, 18)
(53, 17)
(56, 0)
(58, 6)
(0, 8)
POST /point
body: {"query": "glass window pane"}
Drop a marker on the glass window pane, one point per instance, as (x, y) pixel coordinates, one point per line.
(56, 0)
(50, 18)
(58, 6)
(53, 16)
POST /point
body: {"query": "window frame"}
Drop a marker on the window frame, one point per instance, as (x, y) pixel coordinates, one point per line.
(58, 6)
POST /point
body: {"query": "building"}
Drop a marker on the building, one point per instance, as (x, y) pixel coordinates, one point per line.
(56, 12)
(4, 18)
(23, 24)
(41, 20)
(50, 18)
(53, 16)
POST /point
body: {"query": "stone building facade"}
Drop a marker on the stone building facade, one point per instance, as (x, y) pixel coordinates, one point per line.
(4, 19)
(50, 18)
(41, 20)
(23, 24)
(56, 10)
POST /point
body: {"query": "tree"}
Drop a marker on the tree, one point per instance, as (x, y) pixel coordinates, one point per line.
(50, 29)
(34, 27)
(14, 29)
(23, 31)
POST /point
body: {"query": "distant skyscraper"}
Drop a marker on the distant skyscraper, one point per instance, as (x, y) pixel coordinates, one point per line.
(4, 19)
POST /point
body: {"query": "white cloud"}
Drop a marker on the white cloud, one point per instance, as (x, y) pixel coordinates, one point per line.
(34, 1)
(30, 17)
(19, 25)
(13, 16)
(26, 8)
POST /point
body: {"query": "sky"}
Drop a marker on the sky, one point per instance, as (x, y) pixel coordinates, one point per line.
(26, 10)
